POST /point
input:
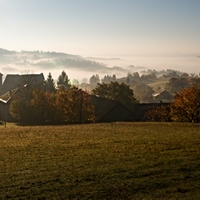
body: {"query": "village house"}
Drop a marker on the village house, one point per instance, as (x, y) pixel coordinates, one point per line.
(162, 95)
(10, 86)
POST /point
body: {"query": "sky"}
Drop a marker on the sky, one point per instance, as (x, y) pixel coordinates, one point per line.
(102, 27)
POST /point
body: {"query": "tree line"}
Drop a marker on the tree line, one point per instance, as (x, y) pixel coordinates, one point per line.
(64, 103)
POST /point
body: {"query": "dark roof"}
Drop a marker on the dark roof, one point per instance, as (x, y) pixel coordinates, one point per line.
(13, 81)
(5, 101)
(158, 92)
(107, 110)
(141, 109)
(4, 98)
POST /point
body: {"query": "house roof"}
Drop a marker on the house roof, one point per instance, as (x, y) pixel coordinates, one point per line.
(141, 109)
(105, 107)
(158, 92)
(13, 81)
(4, 98)
(110, 110)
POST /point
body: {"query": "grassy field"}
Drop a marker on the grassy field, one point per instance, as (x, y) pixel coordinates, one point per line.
(160, 82)
(100, 161)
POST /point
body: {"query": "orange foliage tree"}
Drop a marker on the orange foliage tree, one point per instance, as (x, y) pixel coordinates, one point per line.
(74, 106)
(186, 106)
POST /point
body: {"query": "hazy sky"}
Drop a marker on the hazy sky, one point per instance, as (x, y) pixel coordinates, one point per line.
(102, 27)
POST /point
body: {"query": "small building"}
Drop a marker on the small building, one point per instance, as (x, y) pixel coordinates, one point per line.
(162, 95)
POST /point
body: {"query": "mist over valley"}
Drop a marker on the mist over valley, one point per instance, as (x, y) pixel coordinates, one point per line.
(79, 67)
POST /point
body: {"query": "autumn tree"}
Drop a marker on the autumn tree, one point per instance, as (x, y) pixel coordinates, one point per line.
(80, 108)
(64, 106)
(20, 106)
(159, 114)
(74, 106)
(19, 109)
(60, 103)
(116, 91)
(186, 105)
(43, 107)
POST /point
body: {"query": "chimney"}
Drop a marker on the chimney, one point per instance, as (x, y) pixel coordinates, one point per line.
(1, 81)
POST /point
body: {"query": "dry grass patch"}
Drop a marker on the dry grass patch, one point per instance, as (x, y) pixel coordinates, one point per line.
(99, 161)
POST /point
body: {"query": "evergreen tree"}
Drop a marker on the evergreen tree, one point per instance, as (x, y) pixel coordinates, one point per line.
(63, 81)
(50, 84)
(94, 79)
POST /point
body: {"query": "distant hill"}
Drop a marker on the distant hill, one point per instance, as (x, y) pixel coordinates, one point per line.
(12, 60)
(76, 66)
(100, 58)
(5, 52)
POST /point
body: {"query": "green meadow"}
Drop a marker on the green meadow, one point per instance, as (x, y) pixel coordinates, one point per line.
(100, 161)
